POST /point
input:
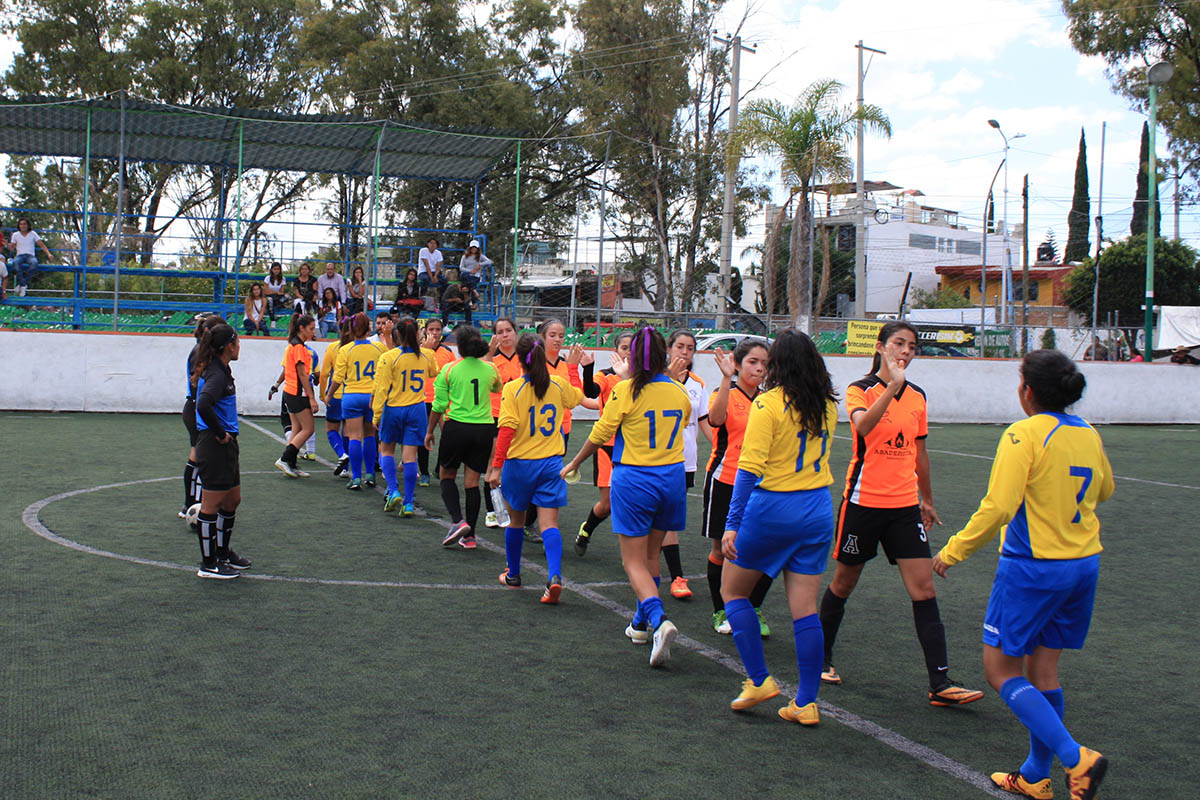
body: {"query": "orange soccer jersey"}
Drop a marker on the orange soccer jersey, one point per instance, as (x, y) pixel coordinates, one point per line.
(602, 463)
(569, 373)
(508, 368)
(727, 447)
(295, 354)
(883, 466)
(443, 356)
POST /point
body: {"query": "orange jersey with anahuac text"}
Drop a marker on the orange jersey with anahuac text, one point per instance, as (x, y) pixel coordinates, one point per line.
(727, 442)
(509, 369)
(883, 465)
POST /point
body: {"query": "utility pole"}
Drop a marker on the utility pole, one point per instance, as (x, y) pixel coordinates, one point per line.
(1025, 266)
(860, 226)
(1099, 243)
(1177, 176)
(731, 165)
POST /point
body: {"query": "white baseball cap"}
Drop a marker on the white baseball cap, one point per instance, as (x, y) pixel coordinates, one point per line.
(474, 243)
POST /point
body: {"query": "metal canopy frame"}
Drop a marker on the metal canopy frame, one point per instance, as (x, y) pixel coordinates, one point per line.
(124, 129)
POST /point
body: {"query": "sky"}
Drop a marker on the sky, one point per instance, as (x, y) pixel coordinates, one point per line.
(949, 67)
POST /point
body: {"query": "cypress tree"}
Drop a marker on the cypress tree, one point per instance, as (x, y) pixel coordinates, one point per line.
(1141, 202)
(1079, 218)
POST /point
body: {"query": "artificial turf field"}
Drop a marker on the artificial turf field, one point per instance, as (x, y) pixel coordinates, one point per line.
(405, 670)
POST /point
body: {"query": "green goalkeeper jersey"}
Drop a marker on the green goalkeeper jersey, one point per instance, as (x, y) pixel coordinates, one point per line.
(465, 387)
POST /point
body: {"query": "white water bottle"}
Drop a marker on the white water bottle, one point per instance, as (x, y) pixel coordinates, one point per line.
(500, 506)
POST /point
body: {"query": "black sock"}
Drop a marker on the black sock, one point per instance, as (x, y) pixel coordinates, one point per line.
(760, 591)
(423, 460)
(189, 476)
(671, 554)
(593, 521)
(224, 532)
(714, 585)
(833, 608)
(472, 506)
(487, 501)
(208, 535)
(932, 635)
(450, 498)
(289, 455)
(197, 484)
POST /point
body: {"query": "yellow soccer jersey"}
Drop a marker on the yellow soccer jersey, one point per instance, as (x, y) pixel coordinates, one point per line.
(328, 364)
(648, 428)
(537, 421)
(400, 378)
(1049, 474)
(785, 457)
(355, 369)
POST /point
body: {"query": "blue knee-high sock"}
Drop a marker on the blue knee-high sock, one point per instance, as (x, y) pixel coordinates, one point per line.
(552, 545)
(651, 610)
(356, 458)
(410, 480)
(335, 441)
(369, 452)
(514, 540)
(810, 653)
(657, 580)
(1037, 765)
(387, 464)
(1038, 715)
(747, 636)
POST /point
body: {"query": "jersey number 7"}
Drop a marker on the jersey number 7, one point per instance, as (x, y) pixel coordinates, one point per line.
(803, 437)
(1086, 474)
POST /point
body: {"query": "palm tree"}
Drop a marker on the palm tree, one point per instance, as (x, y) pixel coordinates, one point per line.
(810, 139)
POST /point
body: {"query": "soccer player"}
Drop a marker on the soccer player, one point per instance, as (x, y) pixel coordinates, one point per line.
(888, 500)
(333, 407)
(553, 333)
(528, 459)
(781, 518)
(443, 355)
(1049, 474)
(502, 353)
(398, 407)
(681, 347)
(465, 387)
(728, 412)
(191, 477)
(647, 414)
(600, 387)
(355, 374)
(299, 396)
(217, 451)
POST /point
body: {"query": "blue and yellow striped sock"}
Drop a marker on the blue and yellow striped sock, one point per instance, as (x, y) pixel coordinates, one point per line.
(747, 637)
(1036, 714)
(1037, 765)
(387, 465)
(810, 653)
(514, 540)
(552, 545)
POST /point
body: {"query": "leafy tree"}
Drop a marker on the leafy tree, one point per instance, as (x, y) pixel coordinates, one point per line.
(940, 298)
(1079, 218)
(1132, 34)
(1123, 280)
(810, 139)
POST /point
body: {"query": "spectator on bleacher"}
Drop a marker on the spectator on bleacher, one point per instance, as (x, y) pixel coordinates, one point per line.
(3, 268)
(358, 292)
(332, 280)
(458, 299)
(383, 330)
(275, 289)
(1183, 355)
(305, 289)
(332, 311)
(254, 317)
(24, 242)
(408, 296)
(429, 268)
(470, 267)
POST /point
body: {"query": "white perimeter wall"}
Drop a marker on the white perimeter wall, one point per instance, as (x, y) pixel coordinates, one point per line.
(62, 371)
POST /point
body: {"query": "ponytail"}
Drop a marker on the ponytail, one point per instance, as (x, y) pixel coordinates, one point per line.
(533, 363)
(647, 357)
(212, 344)
(404, 334)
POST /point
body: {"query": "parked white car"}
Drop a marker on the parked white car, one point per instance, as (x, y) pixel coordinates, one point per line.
(725, 341)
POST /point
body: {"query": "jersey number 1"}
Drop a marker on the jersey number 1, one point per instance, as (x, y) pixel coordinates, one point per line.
(803, 437)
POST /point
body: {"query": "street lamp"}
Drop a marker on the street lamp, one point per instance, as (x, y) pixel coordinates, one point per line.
(1156, 76)
(1006, 270)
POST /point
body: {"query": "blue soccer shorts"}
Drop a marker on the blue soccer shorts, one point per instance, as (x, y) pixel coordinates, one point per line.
(789, 531)
(403, 425)
(648, 498)
(536, 481)
(1040, 603)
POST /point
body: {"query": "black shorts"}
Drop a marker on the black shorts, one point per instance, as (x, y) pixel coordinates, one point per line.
(691, 479)
(467, 443)
(296, 403)
(717, 496)
(217, 463)
(189, 420)
(861, 530)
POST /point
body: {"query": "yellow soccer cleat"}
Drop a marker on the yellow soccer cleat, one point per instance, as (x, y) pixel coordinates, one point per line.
(1084, 778)
(806, 715)
(753, 695)
(1015, 782)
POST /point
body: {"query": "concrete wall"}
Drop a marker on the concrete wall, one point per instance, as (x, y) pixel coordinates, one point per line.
(63, 371)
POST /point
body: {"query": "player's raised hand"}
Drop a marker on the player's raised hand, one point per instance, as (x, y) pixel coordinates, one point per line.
(725, 362)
